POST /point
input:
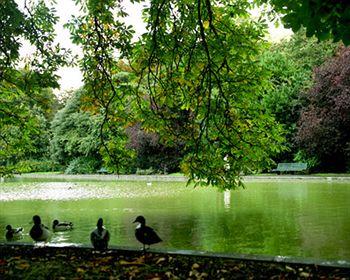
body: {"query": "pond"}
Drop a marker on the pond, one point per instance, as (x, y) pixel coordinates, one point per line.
(290, 218)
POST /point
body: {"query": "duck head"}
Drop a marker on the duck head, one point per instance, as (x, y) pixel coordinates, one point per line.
(55, 223)
(8, 228)
(99, 223)
(140, 219)
(36, 220)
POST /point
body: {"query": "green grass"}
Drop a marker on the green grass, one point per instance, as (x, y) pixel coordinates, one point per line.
(311, 174)
(263, 174)
(332, 174)
(178, 174)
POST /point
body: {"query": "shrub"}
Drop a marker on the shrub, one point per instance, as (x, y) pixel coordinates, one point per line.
(83, 165)
(148, 171)
(34, 165)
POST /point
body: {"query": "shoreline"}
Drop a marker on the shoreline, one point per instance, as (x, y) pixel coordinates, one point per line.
(169, 178)
(43, 262)
(191, 253)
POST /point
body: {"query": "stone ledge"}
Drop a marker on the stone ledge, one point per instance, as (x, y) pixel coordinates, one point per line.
(194, 253)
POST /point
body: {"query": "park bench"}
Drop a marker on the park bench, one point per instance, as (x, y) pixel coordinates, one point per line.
(102, 170)
(290, 167)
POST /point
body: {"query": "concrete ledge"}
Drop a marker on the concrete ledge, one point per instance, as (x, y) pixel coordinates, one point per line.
(236, 256)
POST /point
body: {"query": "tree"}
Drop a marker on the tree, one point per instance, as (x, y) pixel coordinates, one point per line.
(34, 25)
(290, 64)
(23, 94)
(25, 115)
(325, 19)
(150, 153)
(101, 34)
(204, 81)
(76, 134)
(18, 125)
(324, 125)
(199, 83)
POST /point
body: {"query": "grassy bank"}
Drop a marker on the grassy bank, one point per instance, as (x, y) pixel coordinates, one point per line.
(27, 262)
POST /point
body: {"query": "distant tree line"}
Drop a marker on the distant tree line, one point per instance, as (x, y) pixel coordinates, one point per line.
(308, 95)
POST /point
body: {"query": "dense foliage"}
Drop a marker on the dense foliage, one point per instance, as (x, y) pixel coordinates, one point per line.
(199, 83)
(325, 19)
(204, 83)
(290, 63)
(76, 142)
(76, 136)
(25, 116)
(324, 125)
(201, 89)
(25, 104)
(151, 154)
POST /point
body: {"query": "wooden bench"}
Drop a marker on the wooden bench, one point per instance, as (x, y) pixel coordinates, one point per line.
(290, 167)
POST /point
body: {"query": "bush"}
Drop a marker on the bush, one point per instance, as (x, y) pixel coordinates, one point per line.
(148, 171)
(34, 165)
(151, 153)
(83, 165)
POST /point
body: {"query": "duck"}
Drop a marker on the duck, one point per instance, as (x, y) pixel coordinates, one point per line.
(100, 236)
(39, 232)
(61, 226)
(13, 233)
(145, 234)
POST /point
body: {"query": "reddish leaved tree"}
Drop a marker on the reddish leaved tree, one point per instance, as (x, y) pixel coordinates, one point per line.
(324, 124)
(151, 153)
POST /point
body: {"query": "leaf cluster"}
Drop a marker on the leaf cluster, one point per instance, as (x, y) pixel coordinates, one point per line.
(34, 25)
(199, 64)
(325, 19)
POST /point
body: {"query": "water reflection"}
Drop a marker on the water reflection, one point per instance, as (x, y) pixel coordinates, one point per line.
(227, 199)
(60, 237)
(74, 191)
(293, 218)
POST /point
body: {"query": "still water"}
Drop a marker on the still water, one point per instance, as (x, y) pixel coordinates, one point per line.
(292, 218)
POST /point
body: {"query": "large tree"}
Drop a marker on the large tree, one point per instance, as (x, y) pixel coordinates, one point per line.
(25, 115)
(324, 125)
(290, 63)
(23, 90)
(75, 133)
(199, 83)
